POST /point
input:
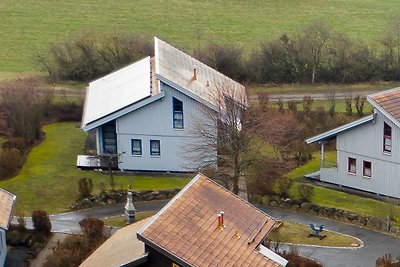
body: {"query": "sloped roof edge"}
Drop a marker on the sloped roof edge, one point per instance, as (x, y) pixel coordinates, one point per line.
(334, 132)
(119, 113)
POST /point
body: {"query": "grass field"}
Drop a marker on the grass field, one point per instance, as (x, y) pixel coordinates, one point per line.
(295, 233)
(49, 178)
(28, 26)
(120, 221)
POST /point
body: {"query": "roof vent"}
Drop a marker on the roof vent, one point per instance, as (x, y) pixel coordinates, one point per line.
(208, 83)
(194, 73)
(221, 224)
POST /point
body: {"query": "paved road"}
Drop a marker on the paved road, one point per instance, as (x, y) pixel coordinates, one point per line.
(69, 222)
(375, 244)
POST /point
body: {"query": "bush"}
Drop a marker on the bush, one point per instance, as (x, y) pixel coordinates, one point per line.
(90, 55)
(92, 228)
(284, 184)
(41, 221)
(306, 192)
(387, 261)
(10, 161)
(85, 187)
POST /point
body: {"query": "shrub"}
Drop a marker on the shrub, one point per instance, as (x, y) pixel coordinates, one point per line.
(85, 187)
(92, 228)
(387, 261)
(89, 55)
(284, 184)
(41, 221)
(16, 142)
(10, 161)
(306, 192)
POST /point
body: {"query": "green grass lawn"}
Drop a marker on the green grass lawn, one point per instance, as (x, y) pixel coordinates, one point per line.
(295, 233)
(333, 198)
(27, 26)
(49, 178)
(120, 221)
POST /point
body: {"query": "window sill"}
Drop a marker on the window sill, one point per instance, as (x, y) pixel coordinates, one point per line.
(154, 156)
(366, 177)
(352, 173)
(387, 153)
(137, 155)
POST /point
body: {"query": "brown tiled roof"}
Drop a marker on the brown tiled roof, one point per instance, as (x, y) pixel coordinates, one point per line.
(187, 228)
(7, 201)
(390, 101)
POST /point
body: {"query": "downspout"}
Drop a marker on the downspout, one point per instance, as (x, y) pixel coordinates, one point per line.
(322, 154)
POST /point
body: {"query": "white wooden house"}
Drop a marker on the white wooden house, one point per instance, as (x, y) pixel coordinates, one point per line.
(7, 202)
(368, 150)
(147, 110)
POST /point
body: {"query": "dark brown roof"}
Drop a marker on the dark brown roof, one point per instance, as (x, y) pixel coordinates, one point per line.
(389, 101)
(7, 201)
(187, 228)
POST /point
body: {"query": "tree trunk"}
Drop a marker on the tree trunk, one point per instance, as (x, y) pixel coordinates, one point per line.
(313, 75)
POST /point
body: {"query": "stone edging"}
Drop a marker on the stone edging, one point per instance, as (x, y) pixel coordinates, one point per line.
(369, 222)
(110, 198)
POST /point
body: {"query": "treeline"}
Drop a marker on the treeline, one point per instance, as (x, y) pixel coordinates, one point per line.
(314, 54)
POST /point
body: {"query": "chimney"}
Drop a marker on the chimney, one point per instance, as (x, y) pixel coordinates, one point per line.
(194, 73)
(222, 218)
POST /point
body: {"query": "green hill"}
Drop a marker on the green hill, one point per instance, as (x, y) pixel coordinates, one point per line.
(27, 26)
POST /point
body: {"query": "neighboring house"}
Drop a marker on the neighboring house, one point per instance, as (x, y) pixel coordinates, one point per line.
(368, 149)
(7, 202)
(189, 231)
(147, 111)
(207, 225)
(120, 249)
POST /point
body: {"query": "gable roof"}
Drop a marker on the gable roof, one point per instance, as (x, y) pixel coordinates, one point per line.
(7, 202)
(388, 103)
(176, 68)
(187, 230)
(115, 94)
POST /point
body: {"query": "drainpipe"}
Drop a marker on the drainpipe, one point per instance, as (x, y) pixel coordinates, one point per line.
(322, 155)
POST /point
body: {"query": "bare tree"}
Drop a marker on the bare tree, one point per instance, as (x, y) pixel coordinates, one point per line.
(111, 161)
(23, 104)
(220, 140)
(310, 45)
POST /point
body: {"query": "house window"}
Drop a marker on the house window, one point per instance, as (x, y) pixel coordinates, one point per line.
(387, 138)
(155, 148)
(352, 168)
(177, 113)
(136, 147)
(367, 169)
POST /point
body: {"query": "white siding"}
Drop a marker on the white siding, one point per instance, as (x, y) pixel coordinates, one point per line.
(155, 122)
(3, 247)
(366, 143)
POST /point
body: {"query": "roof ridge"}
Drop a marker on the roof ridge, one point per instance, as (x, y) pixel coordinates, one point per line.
(201, 63)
